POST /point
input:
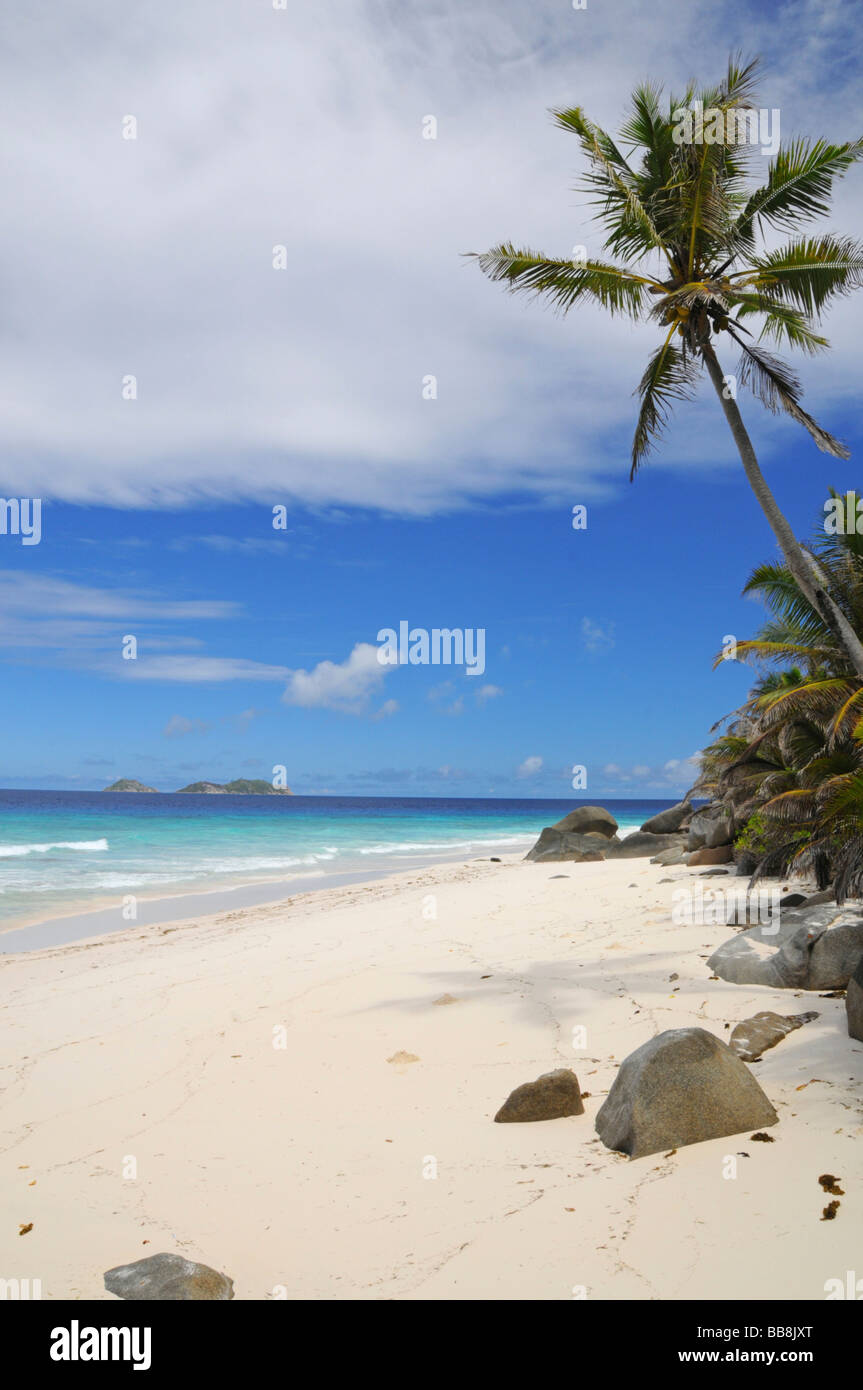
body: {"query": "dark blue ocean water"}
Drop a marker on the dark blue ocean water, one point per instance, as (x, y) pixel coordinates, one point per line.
(63, 850)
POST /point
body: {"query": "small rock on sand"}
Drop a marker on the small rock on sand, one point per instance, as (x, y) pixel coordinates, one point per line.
(168, 1278)
(722, 854)
(550, 1097)
(764, 1030)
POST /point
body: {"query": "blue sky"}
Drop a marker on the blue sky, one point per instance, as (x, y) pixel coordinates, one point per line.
(259, 387)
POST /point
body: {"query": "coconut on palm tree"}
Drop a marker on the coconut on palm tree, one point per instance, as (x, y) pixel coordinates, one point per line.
(683, 226)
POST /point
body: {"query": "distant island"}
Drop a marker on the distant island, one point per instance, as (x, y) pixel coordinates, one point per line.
(241, 786)
(128, 784)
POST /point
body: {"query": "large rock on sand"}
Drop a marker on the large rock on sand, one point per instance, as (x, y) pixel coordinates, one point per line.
(806, 948)
(758, 1034)
(722, 854)
(588, 820)
(666, 822)
(554, 846)
(642, 845)
(676, 854)
(551, 1096)
(682, 1087)
(168, 1278)
(710, 827)
(854, 1003)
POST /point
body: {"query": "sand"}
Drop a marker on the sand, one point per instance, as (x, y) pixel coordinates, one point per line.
(302, 1096)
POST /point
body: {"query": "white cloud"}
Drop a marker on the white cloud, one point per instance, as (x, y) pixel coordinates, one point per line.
(36, 593)
(344, 686)
(530, 767)
(194, 669)
(302, 127)
(669, 775)
(488, 692)
(595, 637)
(245, 717)
(388, 708)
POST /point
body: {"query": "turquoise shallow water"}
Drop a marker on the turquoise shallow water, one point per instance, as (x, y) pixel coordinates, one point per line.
(64, 851)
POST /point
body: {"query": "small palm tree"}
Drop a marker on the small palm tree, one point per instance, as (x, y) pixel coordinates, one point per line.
(684, 207)
(790, 767)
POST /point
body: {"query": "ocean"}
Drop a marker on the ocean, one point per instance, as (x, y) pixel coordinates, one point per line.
(65, 852)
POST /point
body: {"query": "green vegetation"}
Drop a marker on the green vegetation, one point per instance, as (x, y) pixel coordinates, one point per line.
(128, 784)
(790, 765)
(253, 786)
(241, 786)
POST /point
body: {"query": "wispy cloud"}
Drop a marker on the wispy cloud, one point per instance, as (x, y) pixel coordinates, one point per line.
(41, 594)
(387, 709)
(596, 638)
(670, 774)
(196, 669)
(530, 767)
(177, 726)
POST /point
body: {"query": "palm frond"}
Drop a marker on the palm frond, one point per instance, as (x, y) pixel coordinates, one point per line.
(670, 376)
(565, 283)
(782, 322)
(808, 272)
(799, 186)
(631, 231)
(776, 386)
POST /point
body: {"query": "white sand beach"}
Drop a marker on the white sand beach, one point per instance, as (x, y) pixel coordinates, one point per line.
(146, 1107)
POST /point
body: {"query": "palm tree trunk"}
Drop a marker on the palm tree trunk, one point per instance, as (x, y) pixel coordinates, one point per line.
(805, 571)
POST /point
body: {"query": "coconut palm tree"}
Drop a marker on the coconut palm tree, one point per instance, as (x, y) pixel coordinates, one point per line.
(683, 227)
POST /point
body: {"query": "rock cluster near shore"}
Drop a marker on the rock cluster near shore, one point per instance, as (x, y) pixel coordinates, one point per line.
(681, 834)
(685, 1085)
(589, 833)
